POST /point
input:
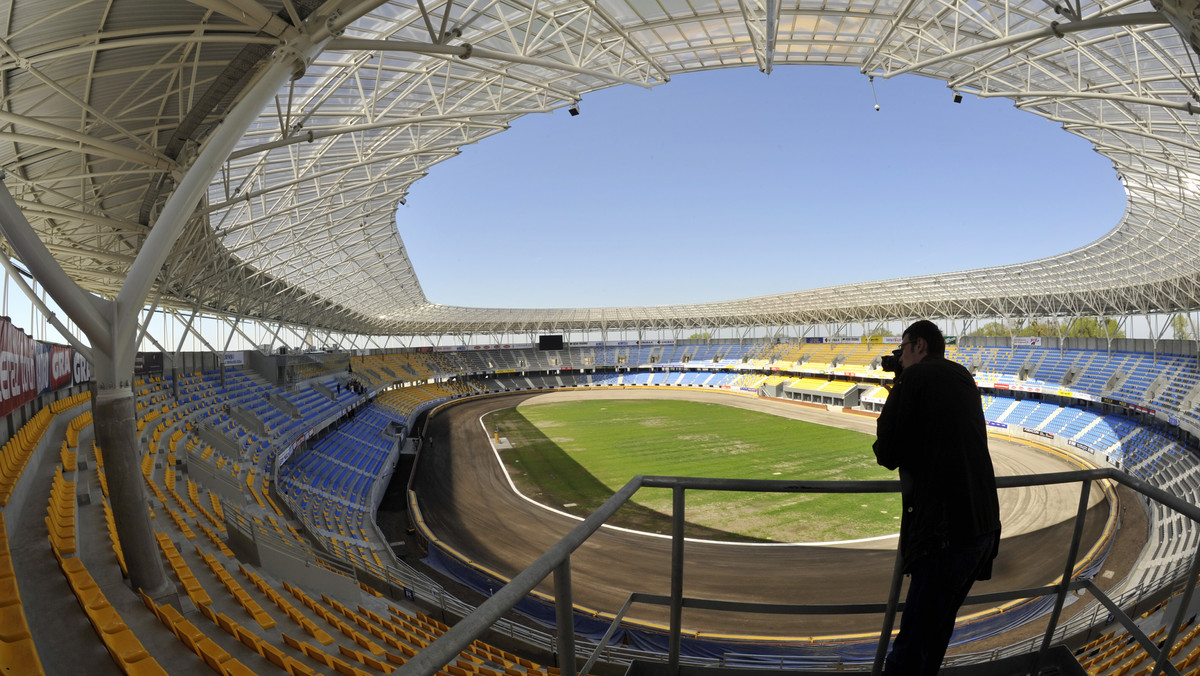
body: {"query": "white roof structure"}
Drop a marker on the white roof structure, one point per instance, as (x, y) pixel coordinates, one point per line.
(108, 105)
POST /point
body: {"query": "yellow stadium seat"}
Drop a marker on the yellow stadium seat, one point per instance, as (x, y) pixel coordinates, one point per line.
(146, 667)
(395, 659)
(226, 624)
(212, 654)
(235, 668)
(292, 641)
(13, 626)
(23, 653)
(189, 633)
(273, 655)
(207, 611)
(125, 647)
(105, 618)
(297, 668)
(378, 665)
(169, 616)
(316, 654)
(9, 594)
(248, 638)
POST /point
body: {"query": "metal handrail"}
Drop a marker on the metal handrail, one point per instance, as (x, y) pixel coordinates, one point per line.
(556, 561)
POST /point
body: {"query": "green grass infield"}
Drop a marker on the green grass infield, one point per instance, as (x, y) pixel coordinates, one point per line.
(572, 456)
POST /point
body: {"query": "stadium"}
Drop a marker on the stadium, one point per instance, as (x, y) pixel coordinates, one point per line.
(240, 439)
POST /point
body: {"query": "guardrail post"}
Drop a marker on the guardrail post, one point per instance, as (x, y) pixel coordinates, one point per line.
(1068, 568)
(676, 577)
(565, 614)
(889, 615)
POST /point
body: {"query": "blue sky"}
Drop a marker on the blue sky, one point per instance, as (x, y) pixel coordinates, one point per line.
(729, 184)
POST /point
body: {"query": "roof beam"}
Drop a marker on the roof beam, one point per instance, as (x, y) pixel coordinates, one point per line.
(468, 51)
(1054, 30)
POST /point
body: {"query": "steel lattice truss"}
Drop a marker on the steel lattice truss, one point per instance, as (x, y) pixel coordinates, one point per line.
(107, 104)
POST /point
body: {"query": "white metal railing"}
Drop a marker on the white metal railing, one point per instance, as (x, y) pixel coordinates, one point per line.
(556, 562)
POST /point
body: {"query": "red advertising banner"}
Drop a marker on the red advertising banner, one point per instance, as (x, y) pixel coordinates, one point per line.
(18, 382)
(60, 366)
(82, 369)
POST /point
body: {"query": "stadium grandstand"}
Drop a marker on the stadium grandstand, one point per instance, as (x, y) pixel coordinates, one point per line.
(229, 170)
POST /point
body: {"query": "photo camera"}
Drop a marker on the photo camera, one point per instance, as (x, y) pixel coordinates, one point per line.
(891, 362)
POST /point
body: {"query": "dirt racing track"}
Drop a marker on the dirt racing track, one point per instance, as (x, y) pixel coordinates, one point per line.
(468, 505)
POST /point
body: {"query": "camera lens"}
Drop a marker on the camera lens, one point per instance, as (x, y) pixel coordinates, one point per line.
(891, 362)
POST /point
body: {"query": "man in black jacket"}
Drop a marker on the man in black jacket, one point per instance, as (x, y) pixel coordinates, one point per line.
(932, 429)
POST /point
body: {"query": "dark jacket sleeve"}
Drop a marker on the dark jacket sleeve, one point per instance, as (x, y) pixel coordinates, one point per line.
(893, 438)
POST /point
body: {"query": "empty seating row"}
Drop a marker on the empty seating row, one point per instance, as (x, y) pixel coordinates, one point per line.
(123, 645)
(16, 643)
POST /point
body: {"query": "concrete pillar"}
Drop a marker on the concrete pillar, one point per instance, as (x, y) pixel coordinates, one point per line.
(115, 424)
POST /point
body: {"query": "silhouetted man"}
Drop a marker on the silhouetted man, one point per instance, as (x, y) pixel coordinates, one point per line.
(932, 429)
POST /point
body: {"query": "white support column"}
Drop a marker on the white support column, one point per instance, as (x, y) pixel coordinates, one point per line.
(88, 312)
(116, 397)
(181, 206)
(236, 329)
(186, 331)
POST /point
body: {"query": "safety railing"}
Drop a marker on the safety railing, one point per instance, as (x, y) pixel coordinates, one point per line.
(257, 533)
(556, 562)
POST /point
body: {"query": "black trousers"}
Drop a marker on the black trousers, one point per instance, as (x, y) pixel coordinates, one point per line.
(939, 583)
